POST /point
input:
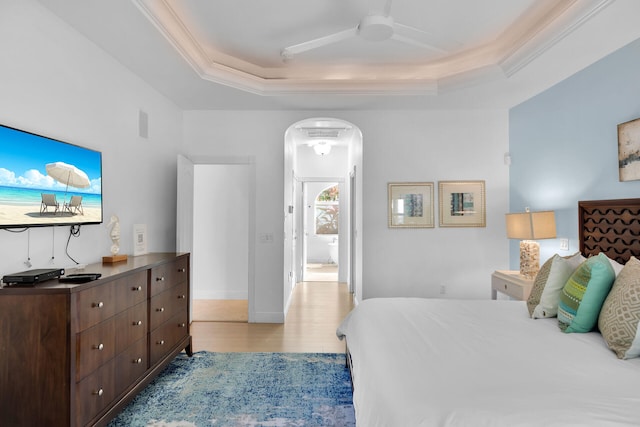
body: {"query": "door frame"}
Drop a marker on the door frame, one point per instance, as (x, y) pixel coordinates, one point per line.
(301, 221)
(184, 217)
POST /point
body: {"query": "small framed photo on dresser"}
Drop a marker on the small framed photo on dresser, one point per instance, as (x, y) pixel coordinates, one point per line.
(410, 204)
(139, 239)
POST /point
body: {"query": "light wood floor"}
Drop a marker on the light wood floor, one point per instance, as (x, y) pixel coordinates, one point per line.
(226, 310)
(316, 310)
(321, 272)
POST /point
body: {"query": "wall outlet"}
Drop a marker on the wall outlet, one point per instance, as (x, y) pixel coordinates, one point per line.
(443, 289)
(564, 244)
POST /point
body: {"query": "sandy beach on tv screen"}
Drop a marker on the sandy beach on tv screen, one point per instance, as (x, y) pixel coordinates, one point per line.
(26, 215)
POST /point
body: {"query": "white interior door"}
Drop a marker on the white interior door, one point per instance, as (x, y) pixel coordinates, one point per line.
(221, 212)
(184, 212)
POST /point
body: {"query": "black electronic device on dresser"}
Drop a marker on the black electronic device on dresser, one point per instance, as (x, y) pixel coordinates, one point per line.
(32, 277)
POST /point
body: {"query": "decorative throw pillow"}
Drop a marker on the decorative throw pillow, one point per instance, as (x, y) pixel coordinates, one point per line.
(620, 314)
(584, 293)
(545, 293)
(538, 284)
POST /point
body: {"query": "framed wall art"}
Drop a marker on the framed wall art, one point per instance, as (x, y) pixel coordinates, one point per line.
(462, 204)
(410, 204)
(629, 150)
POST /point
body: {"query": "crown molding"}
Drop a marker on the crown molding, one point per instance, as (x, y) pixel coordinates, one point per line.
(549, 33)
(510, 53)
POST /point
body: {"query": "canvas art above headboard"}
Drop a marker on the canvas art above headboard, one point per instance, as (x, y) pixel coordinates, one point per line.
(610, 226)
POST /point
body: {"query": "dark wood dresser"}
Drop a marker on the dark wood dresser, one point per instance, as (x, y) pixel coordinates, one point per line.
(76, 354)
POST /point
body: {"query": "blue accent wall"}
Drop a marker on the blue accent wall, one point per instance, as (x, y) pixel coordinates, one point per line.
(564, 144)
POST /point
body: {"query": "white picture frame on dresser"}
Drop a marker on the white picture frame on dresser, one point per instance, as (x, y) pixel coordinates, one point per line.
(139, 239)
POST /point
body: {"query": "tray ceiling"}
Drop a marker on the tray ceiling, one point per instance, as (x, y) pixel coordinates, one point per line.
(436, 43)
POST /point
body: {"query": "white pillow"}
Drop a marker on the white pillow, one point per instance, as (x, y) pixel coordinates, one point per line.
(561, 271)
(617, 267)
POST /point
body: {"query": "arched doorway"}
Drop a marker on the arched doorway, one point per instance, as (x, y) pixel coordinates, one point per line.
(323, 150)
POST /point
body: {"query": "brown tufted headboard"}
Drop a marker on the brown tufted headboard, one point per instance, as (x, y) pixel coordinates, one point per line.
(610, 226)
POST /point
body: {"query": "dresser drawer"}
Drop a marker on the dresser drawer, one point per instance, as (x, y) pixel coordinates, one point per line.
(95, 393)
(168, 336)
(131, 290)
(94, 347)
(95, 305)
(165, 305)
(131, 326)
(516, 287)
(130, 365)
(168, 275)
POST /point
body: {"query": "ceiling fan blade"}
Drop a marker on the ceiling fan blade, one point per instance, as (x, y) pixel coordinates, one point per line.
(424, 39)
(291, 51)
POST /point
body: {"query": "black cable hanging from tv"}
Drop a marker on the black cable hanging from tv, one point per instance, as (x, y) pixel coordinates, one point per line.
(74, 231)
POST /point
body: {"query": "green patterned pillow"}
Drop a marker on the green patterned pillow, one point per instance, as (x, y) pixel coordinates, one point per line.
(620, 314)
(553, 275)
(583, 295)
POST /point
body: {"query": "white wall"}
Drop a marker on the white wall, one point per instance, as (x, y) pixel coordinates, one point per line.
(56, 83)
(220, 212)
(398, 146)
(432, 146)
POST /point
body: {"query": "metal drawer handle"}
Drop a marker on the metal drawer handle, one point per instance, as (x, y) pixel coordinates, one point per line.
(161, 309)
(138, 323)
(137, 361)
(160, 279)
(182, 296)
(98, 393)
(181, 325)
(99, 347)
(97, 304)
(136, 288)
(161, 342)
(182, 270)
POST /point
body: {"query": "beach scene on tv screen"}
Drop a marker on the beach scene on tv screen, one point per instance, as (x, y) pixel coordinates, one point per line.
(44, 181)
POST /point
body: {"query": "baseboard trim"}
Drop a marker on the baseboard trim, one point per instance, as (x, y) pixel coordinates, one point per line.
(268, 317)
(221, 295)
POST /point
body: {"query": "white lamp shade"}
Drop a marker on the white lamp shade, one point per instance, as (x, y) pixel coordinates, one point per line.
(531, 225)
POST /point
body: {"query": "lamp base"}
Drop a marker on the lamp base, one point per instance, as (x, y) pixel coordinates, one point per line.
(529, 258)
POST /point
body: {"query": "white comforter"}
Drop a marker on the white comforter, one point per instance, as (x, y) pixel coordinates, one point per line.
(430, 362)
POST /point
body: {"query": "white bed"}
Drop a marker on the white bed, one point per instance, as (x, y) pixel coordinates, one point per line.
(435, 362)
(429, 362)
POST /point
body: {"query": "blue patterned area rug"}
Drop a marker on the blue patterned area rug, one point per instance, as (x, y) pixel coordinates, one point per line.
(246, 389)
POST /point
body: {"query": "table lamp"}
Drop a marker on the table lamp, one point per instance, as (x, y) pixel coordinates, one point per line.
(528, 227)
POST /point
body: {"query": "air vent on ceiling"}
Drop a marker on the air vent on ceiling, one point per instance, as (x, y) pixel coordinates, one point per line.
(323, 132)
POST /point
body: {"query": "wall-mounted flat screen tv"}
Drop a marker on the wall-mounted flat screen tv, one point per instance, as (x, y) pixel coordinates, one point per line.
(46, 182)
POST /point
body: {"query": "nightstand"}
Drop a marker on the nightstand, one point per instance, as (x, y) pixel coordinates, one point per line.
(511, 283)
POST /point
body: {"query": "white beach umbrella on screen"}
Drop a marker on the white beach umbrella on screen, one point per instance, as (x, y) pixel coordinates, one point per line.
(69, 175)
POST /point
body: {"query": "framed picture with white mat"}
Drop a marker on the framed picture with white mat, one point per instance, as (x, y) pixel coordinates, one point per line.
(139, 239)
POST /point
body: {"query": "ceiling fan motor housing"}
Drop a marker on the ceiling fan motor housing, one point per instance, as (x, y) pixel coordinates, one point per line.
(376, 27)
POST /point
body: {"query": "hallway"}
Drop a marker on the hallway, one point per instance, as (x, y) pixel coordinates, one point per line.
(316, 310)
(321, 273)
